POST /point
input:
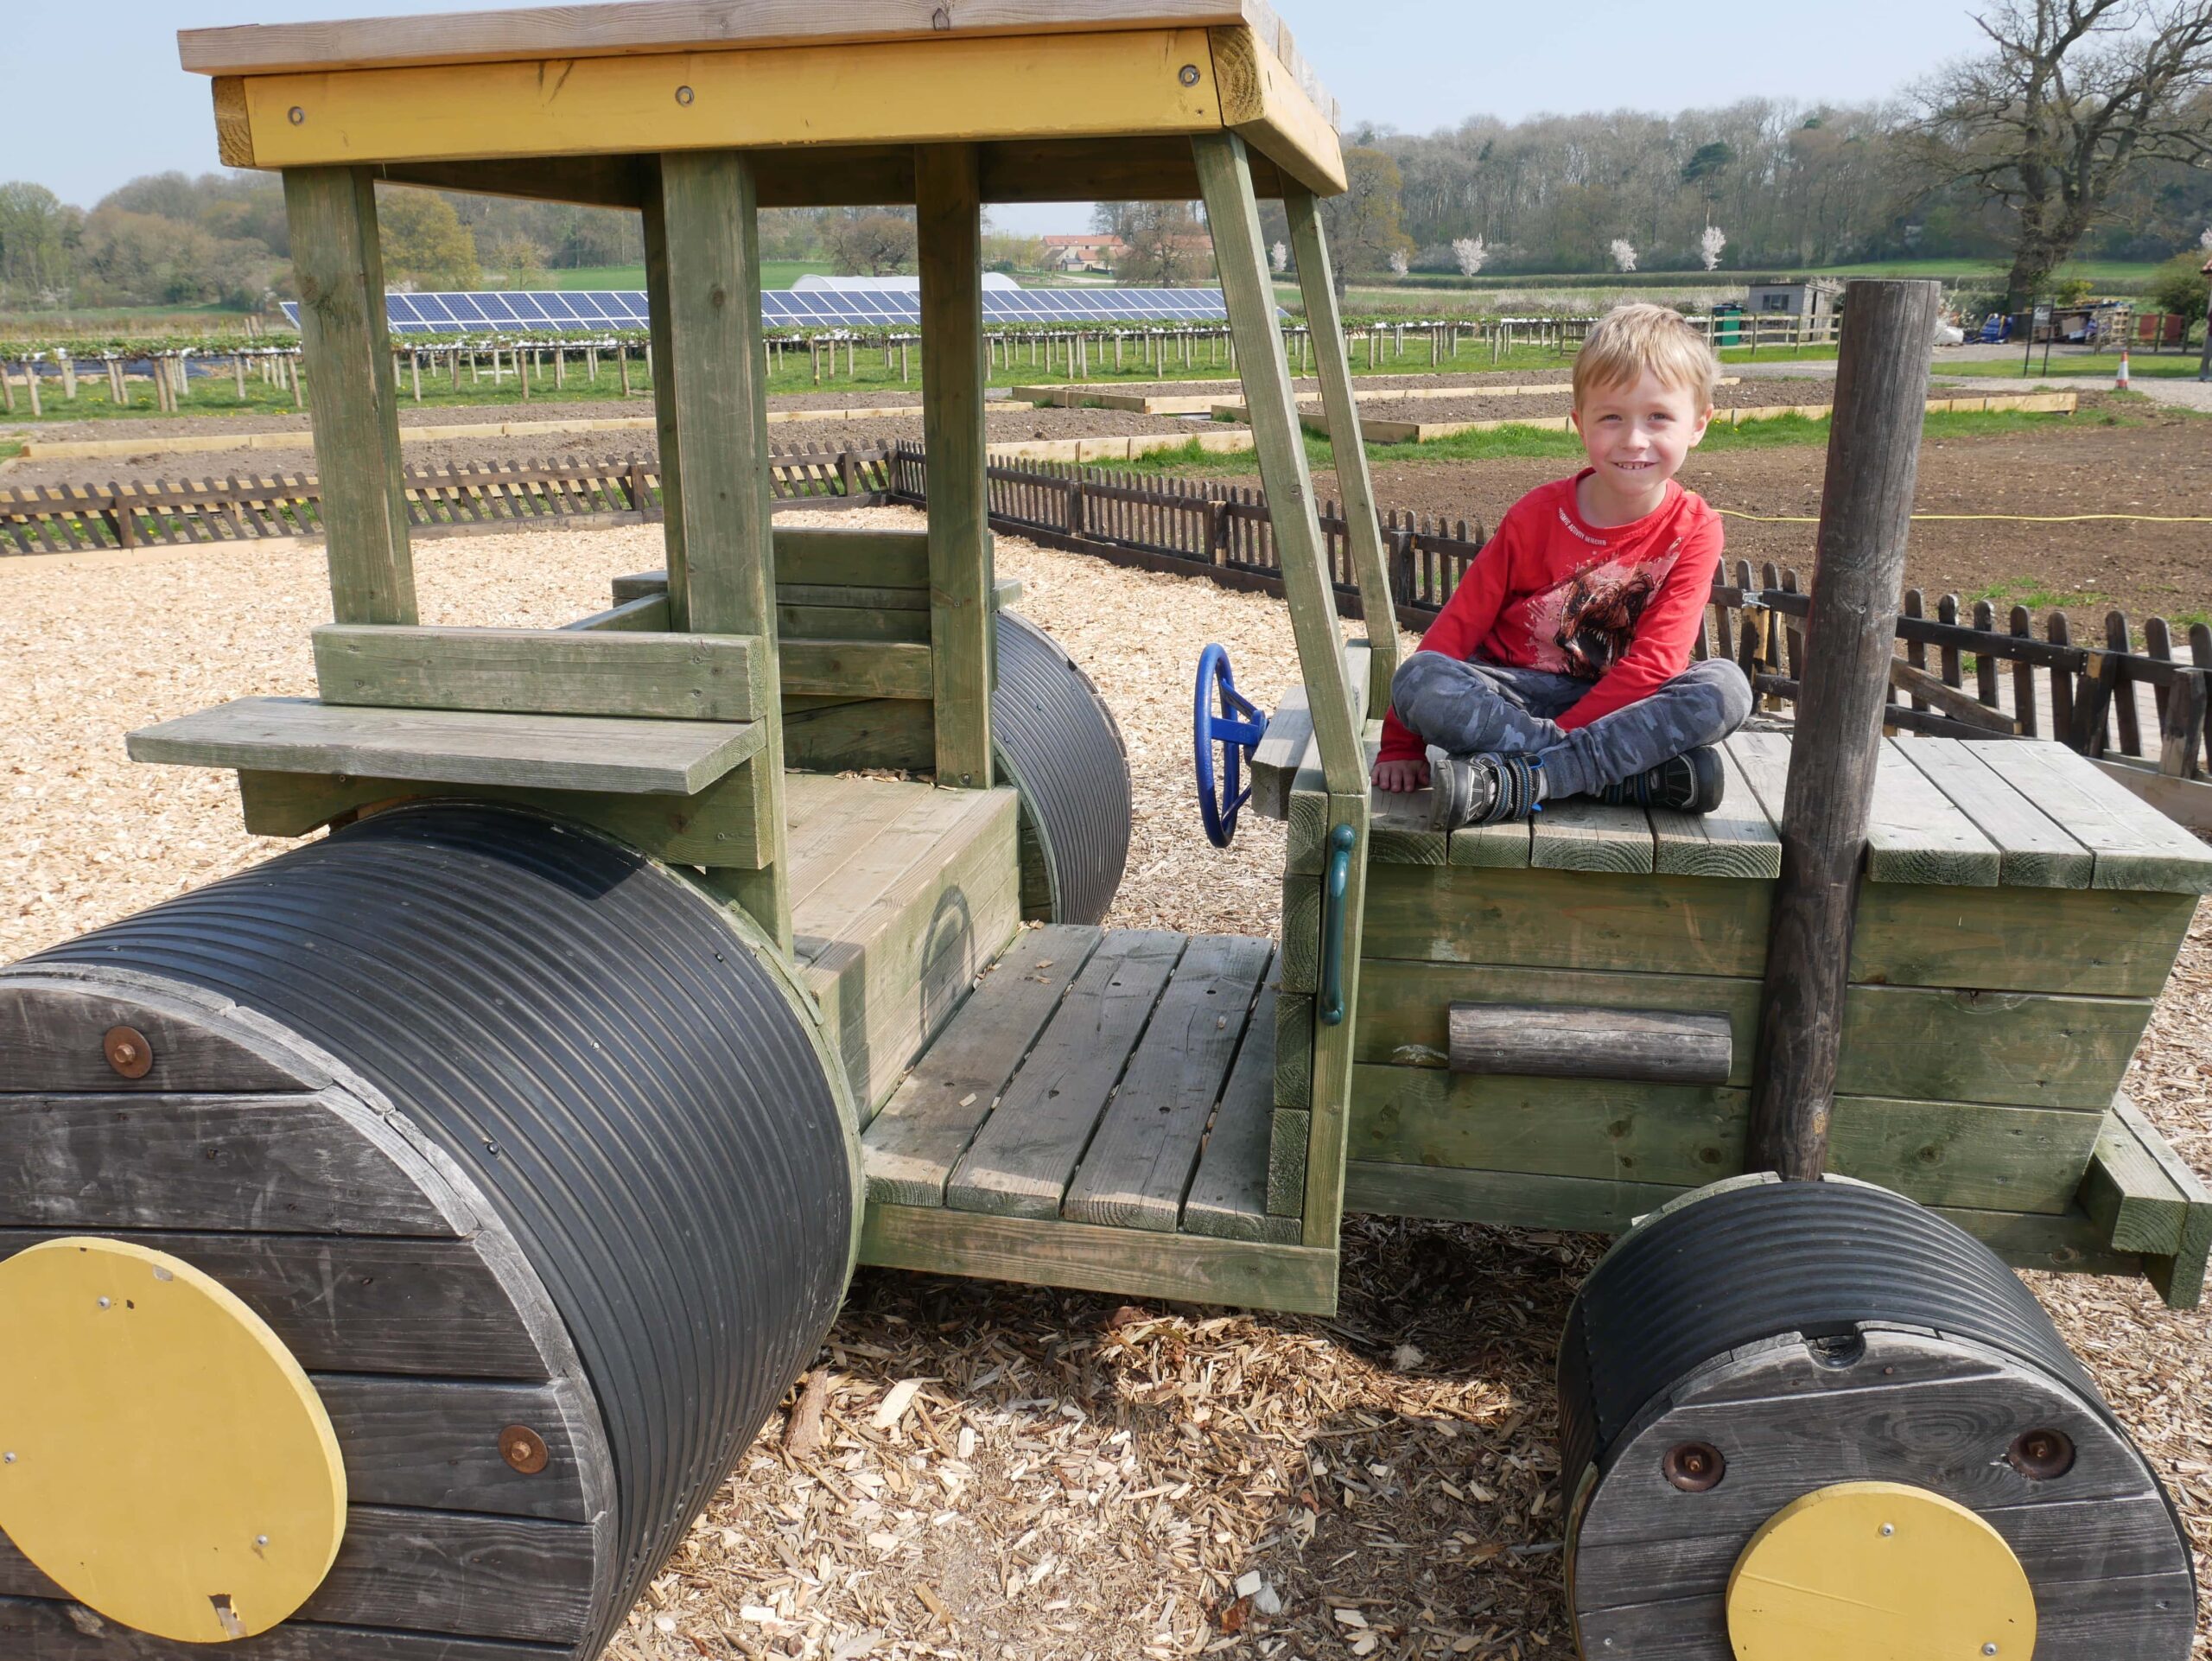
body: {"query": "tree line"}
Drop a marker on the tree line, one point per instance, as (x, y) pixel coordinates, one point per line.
(2083, 129)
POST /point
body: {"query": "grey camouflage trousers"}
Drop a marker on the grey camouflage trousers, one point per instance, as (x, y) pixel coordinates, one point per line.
(1470, 707)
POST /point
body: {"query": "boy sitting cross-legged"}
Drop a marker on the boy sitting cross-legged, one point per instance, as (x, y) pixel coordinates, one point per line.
(1561, 667)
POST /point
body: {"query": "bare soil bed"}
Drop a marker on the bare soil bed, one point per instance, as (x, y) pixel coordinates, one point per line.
(1072, 1479)
(1745, 394)
(2160, 465)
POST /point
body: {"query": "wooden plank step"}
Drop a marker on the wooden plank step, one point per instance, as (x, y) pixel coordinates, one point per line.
(911, 1148)
(2179, 1278)
(1581, 835)
(2128, 1192)
(1140, 1158)
(284, 735)
(1281, 752)
(1021, 1159)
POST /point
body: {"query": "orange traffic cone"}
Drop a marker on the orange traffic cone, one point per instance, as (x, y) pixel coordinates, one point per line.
(2121, 384)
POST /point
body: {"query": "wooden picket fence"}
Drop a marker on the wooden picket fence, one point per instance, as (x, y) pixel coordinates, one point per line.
(453, 501)
(1223, 532)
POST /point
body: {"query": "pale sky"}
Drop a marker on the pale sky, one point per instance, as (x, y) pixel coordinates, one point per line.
(82, 124)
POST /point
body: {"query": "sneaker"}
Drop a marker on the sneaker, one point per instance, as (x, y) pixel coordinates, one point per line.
(1690, 783)
(1482, 789)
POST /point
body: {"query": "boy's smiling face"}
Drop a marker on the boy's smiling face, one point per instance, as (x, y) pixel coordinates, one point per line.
(1637, 437)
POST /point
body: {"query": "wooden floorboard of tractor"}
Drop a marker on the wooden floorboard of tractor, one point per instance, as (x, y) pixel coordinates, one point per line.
(1097, 1115)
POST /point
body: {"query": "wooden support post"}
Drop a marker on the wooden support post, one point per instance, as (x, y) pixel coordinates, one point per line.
(1362, 524)
(1247, 290)
(355, 410)
(1881, 393)
(949, 216)
(703, 239)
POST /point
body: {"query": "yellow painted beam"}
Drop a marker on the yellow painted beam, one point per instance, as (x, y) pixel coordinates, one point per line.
(1262, 100)
(908, 91)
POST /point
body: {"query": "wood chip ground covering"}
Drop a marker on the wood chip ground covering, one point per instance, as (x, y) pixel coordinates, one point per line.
(985, 1472)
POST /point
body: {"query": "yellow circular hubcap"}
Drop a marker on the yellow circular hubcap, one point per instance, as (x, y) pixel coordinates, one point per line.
(1879, 1571)
(162, 1457)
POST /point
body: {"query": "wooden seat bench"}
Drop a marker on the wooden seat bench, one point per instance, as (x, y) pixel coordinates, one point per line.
(1097, 1116)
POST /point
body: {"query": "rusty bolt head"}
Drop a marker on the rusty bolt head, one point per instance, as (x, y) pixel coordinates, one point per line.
(1694, 1466)
(524, 1449)
(128, 1052)
(2041, 1455)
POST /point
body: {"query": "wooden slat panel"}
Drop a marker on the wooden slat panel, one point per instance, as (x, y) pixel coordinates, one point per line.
(51, 1032)
(48, 1631)
(1735, 839)
(1140, 1158)
(716, 827)
(2034, 850)
(2068, 1241)
(501, 1577)
(349, 1304)
(1135, 1262)
(2135, 845)
(544, 672)
(680, 758)
(1020, 1161)
(273, 1164)
(1939, 1152)
(1915, 834)
(1937, 1042)
(1229, 1193)
(856, 669)
(1580, 835)
(434, 1444)
(2119, 944)
(912, 1144)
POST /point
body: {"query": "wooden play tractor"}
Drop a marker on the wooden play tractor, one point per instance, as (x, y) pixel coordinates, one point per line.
(404, 1236)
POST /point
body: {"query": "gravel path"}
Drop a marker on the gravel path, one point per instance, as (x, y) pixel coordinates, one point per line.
(1075, 1480)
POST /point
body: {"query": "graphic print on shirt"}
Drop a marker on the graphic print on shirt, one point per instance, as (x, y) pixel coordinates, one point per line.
(1582, 624)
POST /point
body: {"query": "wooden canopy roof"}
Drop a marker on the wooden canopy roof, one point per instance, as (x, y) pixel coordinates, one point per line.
(1067, 99)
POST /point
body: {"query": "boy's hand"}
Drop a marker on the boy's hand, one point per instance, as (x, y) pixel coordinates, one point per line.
(1402, 776)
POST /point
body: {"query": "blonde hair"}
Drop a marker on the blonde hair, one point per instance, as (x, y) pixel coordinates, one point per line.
(1629, 340)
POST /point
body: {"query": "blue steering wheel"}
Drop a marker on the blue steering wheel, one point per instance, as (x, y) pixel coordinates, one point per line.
(1221, 714)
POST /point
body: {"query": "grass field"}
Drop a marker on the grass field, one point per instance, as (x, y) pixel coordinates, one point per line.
(217, 395)
(2166, 365)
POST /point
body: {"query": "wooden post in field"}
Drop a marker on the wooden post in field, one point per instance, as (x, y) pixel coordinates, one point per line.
(949, 224)
(1881, 393)
(332, 217)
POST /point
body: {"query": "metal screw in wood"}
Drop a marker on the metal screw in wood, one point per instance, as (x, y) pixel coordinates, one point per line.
(684, 95)
(1188, 74)
(128, 1052)
(1694, 1466)
(524, 1449)
(295, 115)
(2041, 1455)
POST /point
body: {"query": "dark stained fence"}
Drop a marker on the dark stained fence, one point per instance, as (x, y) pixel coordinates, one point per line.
(440, 501)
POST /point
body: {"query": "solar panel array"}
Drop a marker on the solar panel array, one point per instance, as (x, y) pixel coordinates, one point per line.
(597, 311)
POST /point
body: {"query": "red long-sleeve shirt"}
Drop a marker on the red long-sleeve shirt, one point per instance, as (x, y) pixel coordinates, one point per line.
(1617, 607)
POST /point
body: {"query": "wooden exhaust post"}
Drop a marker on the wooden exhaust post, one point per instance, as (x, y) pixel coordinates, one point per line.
(1881, 393)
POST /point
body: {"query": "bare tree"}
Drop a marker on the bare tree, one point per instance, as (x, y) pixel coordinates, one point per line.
(873, 243)
(2076, 93)
(1164, 244)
